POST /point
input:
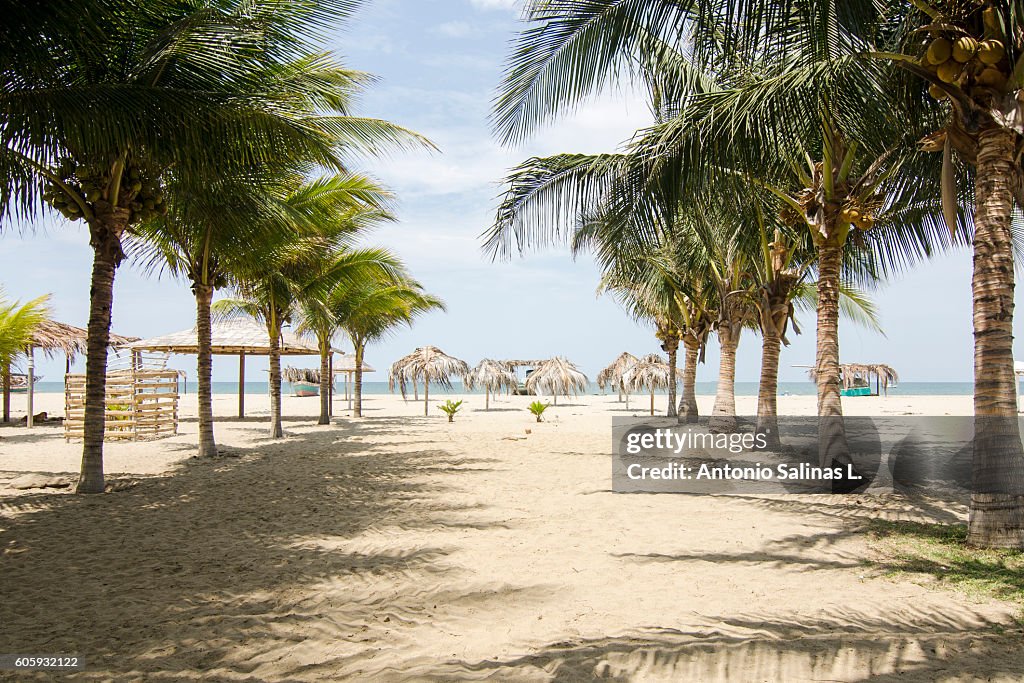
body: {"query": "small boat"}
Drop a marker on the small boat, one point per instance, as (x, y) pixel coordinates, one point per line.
(305, 389)
(19, 382)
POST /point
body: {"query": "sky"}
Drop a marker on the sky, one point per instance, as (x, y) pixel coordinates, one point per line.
(439, 63)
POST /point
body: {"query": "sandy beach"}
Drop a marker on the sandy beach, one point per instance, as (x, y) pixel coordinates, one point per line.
(398, 547)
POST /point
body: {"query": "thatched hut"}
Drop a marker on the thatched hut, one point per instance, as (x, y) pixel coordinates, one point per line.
(429, 364)
(857, 378)
(611, 376)
(491, 376)
(557, 377)
(651, 372)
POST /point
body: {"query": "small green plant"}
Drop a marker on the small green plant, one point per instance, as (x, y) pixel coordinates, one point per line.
(450, 408)
(538, 408)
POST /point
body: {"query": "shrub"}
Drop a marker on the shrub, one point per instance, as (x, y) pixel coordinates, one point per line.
(450, 408)
(538, 408)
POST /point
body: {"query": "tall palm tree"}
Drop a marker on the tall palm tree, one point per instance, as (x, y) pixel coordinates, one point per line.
(371, 309)
(93, 120)
(980, 89)
(783, 78)
(222, 226)
(272, 292)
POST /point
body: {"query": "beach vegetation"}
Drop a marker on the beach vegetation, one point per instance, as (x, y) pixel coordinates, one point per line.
(450, 408)
(537, 409)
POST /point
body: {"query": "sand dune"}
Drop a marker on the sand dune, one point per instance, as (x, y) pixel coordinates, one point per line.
(399, 547)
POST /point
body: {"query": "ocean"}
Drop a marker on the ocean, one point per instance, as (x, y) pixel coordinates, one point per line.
(703, 388)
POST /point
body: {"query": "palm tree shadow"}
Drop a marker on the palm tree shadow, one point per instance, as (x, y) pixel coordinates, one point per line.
(247, 551)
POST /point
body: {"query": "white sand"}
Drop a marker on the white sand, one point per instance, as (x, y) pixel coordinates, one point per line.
(401, 547)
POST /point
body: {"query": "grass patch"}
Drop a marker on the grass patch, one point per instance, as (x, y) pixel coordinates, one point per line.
(939, 551)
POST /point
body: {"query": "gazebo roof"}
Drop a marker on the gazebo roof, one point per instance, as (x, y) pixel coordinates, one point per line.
(52, 337)
(234, 336)
(346, 362)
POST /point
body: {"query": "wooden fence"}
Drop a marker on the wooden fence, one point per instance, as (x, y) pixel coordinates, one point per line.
(140, 404)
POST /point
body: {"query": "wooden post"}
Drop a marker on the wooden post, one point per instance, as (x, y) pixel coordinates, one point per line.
(241, 384)
(29, 419)
(7, 392)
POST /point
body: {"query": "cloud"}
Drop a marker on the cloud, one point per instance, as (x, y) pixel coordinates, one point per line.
(454, 29)
(495, 4)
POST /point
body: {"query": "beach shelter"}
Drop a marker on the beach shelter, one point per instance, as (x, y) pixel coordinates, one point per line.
(557, 377)
(346, 365)
(612, 375)
(51, 337)
(429, 364)
(650, 372)
(491, 376)
(233, 337)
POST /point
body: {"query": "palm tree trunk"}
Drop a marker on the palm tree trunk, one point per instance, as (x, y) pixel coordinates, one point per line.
(832, 446)
(671, 347)
(997, 506)
(357, 390)
(688, 401)
(723, 415)
(204, 370)
(276, 430)
(325, 382)
(105, 239)
(768, 388)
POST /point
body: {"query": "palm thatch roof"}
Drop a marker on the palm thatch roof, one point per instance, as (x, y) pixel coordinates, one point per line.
(232, 336)
(492, 376)
(649, 373)
(851, 371)
(556, 377)
(346, 362)
(293, 375)
(428, 364)
(55, 337)
(612, 375)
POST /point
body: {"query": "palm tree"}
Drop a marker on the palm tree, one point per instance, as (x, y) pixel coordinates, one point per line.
(371, 309)
(217, 229)
(773, 82)
(983, 84)
(94, 119)
(18, 321)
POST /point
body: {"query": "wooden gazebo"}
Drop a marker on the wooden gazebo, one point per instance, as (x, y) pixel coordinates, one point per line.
(234, 337)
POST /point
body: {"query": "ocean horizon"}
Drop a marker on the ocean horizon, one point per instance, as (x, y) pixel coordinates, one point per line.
(703, 388)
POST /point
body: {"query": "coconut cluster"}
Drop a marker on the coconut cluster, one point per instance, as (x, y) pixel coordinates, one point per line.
(962, 56)
(858, 216)
(140, 192)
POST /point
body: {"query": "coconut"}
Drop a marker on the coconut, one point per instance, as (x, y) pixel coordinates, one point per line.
(949, 71)
(939, 51)
(936, 92)
(864, 222)
(991, 52)
(964, 49)
(992, 78)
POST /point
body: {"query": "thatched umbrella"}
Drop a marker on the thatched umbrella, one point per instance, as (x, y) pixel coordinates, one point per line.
(430, 364)
(612, 375)
(556, 376)
(884, 375)
(491, 376)
(650, 372)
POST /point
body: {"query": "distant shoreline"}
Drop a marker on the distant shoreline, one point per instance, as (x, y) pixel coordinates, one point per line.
(378, 388)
